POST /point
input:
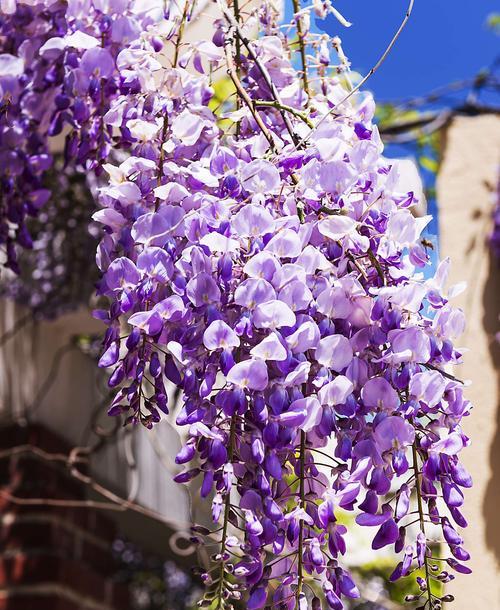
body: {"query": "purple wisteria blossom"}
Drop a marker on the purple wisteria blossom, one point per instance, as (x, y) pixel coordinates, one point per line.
(268, 265)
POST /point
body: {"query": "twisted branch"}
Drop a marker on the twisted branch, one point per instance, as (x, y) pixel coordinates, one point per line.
(365, 78)
(263, 70)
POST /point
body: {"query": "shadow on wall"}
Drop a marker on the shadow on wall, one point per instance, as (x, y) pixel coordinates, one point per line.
(491, 507)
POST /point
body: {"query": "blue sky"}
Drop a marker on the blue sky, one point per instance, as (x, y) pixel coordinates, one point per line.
(445, 40)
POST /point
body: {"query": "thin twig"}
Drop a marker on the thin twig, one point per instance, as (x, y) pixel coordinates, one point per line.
(51, 377)
(161, 156)
(443, 373)
(227, 506)
(302, 46)
(49, 457)
(180, 34)
(246, 98)
(377, 266)
(479, 81)
(116, 503)
(365, 78)
(236, 9)
(297, 113)
(15, 328)
(421, 520)
(300, 550)
(263, 70)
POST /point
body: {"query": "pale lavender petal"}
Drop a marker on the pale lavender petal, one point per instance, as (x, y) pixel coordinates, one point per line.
(252, 292)
(127, 193)
(449, 445)
(260, 176)
(156, 263)
(311, 259)
(378, 392)
(404, 228)
(334, 352)
(289, 272)
(298, 376)
(252, 220)
(110, 218)
(216, 242)
(220, 336)
(263, 265)
(273, 314)
(305, 337)
(149, 321)
(97, 62)
(295, 416)
(296, 295)
(285, 244)
(335, 392)
(270, 348)
(393, 432)
(337, 227)
(202, 290)
(304, 413)
(410, 345)
(188, 126)
(250, 374)
(154, 228)
(122, 273)
(172, 308)
(408, 296)
(428, 386)
(334, 303)
(336, 177)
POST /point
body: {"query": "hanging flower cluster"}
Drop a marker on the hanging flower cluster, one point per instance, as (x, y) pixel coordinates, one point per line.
(27, 92)
(273, 272)
(58, 73)
(54, 275)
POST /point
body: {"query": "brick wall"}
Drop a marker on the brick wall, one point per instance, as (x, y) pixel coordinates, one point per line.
(52, 557)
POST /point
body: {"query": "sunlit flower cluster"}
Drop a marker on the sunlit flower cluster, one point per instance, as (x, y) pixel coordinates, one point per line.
(273, 271)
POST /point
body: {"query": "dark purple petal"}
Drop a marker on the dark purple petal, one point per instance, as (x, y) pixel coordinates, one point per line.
(387, 534)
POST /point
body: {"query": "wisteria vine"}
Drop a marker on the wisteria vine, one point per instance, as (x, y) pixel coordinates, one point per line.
(265, 261)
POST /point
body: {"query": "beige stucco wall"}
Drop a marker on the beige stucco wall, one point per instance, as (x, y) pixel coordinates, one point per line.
(466, 184)
(137, 464)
